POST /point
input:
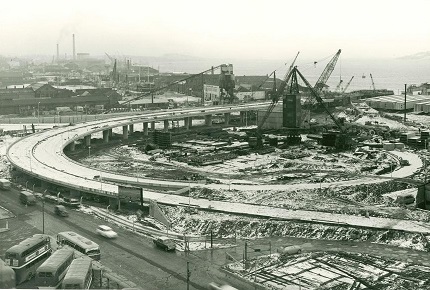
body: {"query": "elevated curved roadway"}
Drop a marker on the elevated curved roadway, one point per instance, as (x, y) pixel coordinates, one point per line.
(41, 155)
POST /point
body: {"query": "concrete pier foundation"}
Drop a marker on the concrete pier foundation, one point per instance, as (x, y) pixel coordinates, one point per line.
(242, 117)
(145, 129)
(152, 125)
(87, 140)
(208, 120)
(72, 146)
(166, 125)
(227, 118)
(105, 136)
(186, 123)
(125, 132)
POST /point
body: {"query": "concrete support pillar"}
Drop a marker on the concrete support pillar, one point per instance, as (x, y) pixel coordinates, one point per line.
(72, 146)
(87, 140)
(43, 184)
(125, 132)
(227, 118)
(190, 122)
(113, 203)
(208, 120)
(152, 125)
(166, 124)
(242, 117)
(105, 136)
(145, 129)
(110, 133)
(131, 128)
(186, 123)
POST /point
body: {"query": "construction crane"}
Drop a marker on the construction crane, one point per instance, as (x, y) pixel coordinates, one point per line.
(151, 92)
(338, 86)
(276, 95)
(373, 84)
(319, 85)
(342, 139)
(347, 85)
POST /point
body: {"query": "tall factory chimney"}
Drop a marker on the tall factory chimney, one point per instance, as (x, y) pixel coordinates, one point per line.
(74, 51)
(58, 53)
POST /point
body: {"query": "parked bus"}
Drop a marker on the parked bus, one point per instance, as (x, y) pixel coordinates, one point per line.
(79, 243)
(27, 256)
(79, 275)
(52, 271)
(7, 276)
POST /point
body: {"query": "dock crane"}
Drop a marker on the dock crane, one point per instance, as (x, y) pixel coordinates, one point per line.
(347, 85)
(338, 86)
(319, 85)
(373, 84)
(308, 103)
(276, 95)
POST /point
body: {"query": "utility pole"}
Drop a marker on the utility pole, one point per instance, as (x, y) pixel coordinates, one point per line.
(188, 275)
(404, 117)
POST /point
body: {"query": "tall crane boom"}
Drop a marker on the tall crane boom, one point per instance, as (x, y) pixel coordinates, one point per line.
(347, 85)
(373, 84)
(327, 72)
(275, 98)
(316, 95)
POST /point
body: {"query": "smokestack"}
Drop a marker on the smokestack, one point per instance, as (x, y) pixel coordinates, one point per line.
(74, 51)
(58, 53)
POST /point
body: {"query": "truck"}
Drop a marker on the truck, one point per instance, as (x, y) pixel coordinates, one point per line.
(4, 184)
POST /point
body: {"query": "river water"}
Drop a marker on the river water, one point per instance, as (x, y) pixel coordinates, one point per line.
(390, 74)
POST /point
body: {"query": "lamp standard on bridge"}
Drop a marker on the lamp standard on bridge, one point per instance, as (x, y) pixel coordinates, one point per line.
(43, 211)
(38, 112)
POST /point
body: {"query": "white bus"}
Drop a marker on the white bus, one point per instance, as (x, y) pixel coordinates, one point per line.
(79, 243)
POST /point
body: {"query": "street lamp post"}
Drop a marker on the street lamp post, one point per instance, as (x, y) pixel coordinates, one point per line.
(43, 211)
(38, 112)
(26, 187)
(89, 151)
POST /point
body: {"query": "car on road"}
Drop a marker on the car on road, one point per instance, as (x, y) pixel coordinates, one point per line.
(106, 232)
(165, 243)
(290, 249)
(60, 210)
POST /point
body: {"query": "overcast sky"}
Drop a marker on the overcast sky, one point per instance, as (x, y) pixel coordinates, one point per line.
(217, 28)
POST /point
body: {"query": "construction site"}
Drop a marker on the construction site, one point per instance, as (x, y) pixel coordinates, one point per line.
(352, 169)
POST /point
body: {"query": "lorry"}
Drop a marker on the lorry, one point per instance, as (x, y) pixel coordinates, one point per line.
(27, 198)
(4, 184)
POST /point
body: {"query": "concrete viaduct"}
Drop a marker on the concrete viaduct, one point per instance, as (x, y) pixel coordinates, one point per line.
(41, 155)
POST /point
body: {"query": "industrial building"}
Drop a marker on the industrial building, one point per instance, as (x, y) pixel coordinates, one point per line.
(397, 102)
(44, 97)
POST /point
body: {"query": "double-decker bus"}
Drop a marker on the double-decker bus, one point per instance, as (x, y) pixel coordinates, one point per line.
(79, 275)
(79, 243)
(52, 271)
(27, 256)
(7, 276)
